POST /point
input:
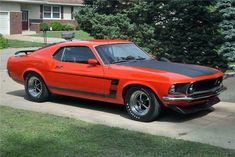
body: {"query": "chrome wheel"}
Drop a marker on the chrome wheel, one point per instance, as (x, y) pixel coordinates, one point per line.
(140, 103)
(34, 87)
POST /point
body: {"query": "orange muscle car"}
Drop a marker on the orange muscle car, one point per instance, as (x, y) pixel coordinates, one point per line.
(115, 71)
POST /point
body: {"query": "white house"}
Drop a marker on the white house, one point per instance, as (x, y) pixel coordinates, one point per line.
(20, 15)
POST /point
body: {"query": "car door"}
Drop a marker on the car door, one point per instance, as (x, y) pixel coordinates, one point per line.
(73, 74)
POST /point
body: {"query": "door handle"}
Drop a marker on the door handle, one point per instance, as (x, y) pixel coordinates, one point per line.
(59, 66)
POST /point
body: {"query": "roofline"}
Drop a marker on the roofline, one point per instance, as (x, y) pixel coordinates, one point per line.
(43, 2)
(68, 4)
(93, 43)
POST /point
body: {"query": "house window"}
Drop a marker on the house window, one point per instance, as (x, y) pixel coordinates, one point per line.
(51, 12)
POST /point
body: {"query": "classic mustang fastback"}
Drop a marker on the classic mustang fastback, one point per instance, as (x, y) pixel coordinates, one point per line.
(115, 71)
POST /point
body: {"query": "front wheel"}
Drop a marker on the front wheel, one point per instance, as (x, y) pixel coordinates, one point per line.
(35, 88)
(142, 104)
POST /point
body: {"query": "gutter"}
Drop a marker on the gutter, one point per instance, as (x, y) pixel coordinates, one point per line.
(43, 2)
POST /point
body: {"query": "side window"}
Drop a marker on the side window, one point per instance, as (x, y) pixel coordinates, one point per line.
(59, 53)
(75, 54)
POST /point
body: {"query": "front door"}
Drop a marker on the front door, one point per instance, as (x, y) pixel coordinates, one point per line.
(25, 20)
(72, 74)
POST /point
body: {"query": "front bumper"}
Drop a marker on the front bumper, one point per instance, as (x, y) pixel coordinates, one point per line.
(195, 108)
(196, 96)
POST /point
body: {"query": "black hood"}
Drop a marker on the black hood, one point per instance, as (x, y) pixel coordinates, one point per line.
(183, 69)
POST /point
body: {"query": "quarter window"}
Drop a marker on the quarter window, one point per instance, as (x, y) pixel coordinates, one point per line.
(58, 54)
(75, 54)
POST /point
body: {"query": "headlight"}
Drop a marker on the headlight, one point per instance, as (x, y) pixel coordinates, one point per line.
(180, 88)
(191, 89)
(172, 90)
(218, 82)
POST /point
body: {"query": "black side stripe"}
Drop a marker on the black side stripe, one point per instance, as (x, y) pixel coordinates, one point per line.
(112, 92)
(113, 88)
(76, 91)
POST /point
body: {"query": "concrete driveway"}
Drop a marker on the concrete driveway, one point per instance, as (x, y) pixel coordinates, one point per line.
(215, 126)
(33, 38)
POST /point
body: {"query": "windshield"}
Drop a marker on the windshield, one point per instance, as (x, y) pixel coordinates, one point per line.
(117, 53)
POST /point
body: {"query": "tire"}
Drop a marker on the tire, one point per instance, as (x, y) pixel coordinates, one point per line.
(35, 88)
(142, 104)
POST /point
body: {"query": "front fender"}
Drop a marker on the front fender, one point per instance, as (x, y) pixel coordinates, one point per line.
(146, 84)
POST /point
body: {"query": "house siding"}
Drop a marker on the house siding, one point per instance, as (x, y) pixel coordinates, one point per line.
(34, 10)
(8, 6)
(67, 13)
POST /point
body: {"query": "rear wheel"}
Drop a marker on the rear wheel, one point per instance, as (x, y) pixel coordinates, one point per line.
(142, 104)
(35, 88)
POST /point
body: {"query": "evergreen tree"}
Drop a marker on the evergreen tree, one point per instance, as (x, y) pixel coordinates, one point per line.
(190, 33)
(227, 9)
(184, 31)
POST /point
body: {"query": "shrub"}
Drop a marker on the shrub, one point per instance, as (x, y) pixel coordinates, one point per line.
(44, 26)
(56, 26)
(68, 27)
(3, 42)
(78, 27)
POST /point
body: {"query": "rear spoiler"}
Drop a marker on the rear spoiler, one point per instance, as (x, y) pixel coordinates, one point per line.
(26, 52)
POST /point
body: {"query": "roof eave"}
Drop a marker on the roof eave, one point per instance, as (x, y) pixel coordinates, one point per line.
(67, 4)
(43, 2)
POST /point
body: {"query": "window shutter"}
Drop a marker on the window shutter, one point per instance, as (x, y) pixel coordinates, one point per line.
(62, 12)
(41, 11)
(72, 12)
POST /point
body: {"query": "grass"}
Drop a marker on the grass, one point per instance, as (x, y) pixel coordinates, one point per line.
(26, 133)
(78, 35)
(20, 44)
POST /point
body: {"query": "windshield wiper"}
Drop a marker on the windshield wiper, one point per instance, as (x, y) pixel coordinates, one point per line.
(120, 61)
(129, 58)
(140, 58)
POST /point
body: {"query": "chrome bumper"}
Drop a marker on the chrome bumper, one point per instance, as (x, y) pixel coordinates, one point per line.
(198, 96)
(194, 108)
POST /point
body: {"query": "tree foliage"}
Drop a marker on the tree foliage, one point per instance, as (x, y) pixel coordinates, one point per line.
(227, 9)
(184, 31)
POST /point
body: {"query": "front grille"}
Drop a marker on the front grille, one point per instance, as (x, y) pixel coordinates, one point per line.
(207, 84)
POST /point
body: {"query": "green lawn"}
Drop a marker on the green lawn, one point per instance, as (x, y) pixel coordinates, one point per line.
(20, 44)
(78, 35)
(26, 133)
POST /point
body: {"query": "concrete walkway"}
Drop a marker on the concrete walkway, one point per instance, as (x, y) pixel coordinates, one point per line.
(33, 38)
(215, 127)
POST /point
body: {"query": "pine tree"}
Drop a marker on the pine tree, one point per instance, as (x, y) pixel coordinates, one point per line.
(190, 33)
(227, 9)
(183, 31)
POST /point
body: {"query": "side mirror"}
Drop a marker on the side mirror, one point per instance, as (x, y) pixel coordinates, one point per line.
(92, 62)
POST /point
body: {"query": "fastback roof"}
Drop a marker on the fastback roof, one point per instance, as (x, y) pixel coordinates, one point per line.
(93, 42)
